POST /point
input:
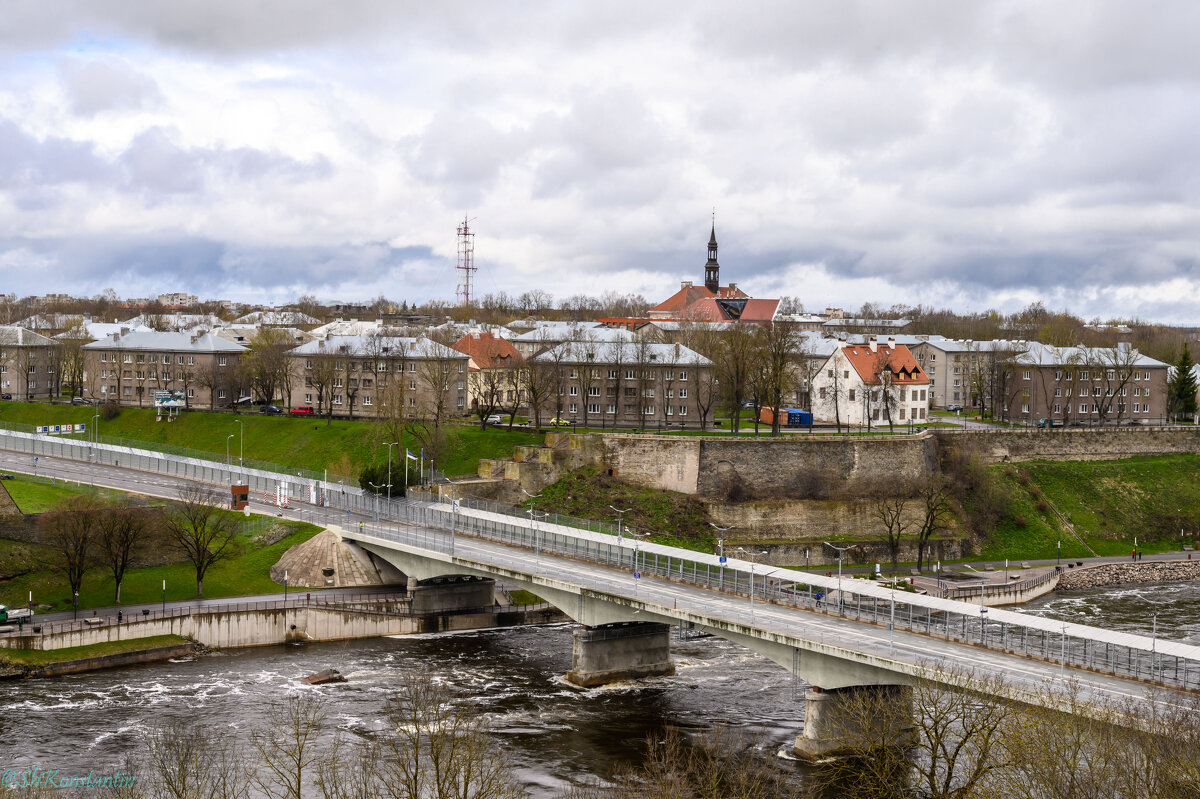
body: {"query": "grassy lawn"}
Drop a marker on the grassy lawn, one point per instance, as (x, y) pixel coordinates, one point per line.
(296, 442)
(42, 495)
(40, 657)
(247, 573)
(1109, 502)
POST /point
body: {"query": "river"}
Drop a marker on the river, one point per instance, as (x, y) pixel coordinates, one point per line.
(552, 733)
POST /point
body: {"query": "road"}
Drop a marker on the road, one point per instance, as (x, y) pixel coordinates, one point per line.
(908, 652)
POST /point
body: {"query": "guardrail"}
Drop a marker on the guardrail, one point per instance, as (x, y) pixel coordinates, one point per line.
(964, 592)
(422, 523)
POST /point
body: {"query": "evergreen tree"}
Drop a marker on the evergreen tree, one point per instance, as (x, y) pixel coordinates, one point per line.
(1182, 389)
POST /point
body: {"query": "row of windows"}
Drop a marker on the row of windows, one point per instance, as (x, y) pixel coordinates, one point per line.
(1086, 407)
(647, 410)
(631, 374)
(111, 357)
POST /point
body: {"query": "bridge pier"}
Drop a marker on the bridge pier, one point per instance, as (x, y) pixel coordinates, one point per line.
(622, 651)
(854, 720)
(451, 593)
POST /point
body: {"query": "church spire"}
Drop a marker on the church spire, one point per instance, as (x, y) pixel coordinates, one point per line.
(712, 269)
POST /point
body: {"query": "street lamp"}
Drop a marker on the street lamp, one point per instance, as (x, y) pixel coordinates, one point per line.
(389, 445)
(77, 605)
(533, 527)
(375, 491)
(1059, 554)
(285, 576)
(761, 552)
(840, 551)
(241, 442)
(227, 440)
(620, 529)
(164, 596)
(720, 553)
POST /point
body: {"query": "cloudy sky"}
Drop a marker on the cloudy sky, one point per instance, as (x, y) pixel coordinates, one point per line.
(972, 154)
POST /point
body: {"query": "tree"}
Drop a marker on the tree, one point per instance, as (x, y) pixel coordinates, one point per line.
(936, 510)
(734, 364)
(779, 345)
(435, 371)
(1181, 390)
(69, 532)
(890, 512)
(200, 530)
(323, 374)
(287, 745)
(268, 362)
(184, 760)
(121, 532)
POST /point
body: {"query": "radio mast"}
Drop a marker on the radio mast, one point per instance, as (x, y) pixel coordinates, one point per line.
(466, 262)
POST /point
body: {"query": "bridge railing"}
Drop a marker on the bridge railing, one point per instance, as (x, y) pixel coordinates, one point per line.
(427, 525)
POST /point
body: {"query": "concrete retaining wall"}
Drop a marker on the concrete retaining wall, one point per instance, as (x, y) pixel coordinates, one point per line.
(1075, 443)
(156, 655)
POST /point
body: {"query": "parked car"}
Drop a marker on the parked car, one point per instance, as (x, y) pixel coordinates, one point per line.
(1046, 422)
(81, 401)
(495, 418)
(7, 477)
(269, 409)
(5, 396)
(559, 423)
(303, 410)
(954, 406)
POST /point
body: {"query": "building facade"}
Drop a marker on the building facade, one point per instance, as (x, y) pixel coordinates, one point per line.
(130, 367)
(869, 385)
(28, 364)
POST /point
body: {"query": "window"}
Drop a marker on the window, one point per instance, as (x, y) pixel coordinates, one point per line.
(922, 395)
(1146, 393)
(337, 399)
(574, 391)
(461, 385)
(957, 383)
(1024, 408)
(850, 395)
(221, 361)
(308, 399)
(648, 393)
(668, 393)
(1058, 392)
(141, 358)
(902, 412)
(412, 402)
(1084, 374)
(630, 374)
(593, 407)
(1025, 375)
(829, 373)
(461, 401)
(128, 358)
(648, 410)
(412, 385)
(574, 375)
(191, 360)
(668, 410)
(1137, 407)
(683, 393)
(220, 393)
(822, 392)
(683, 410)
(610, 408)
(367, 400)
(179, 360)
(1057, 408)
(337, 382)
(612, 374)
(573, 408)
(668, 375)
(191, 392)
(1058, 375)
(166, 359)
(103, 357)
(683, 374)
(846, 374)
(593, 391)
(915, 395)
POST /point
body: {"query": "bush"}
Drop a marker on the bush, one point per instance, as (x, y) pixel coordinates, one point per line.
(1043, 506)
(1019, 521)
(110, 410)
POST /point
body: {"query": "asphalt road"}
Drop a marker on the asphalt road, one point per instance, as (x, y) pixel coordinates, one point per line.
(906, 652)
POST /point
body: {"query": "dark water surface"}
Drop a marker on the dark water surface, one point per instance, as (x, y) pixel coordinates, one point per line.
(553, 733)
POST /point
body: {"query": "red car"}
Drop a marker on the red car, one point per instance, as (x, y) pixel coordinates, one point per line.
(304, 410)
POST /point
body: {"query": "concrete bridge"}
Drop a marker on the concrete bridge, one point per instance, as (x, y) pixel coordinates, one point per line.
(836, 634)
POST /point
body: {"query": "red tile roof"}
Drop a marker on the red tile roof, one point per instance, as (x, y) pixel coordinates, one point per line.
(760, 310)
(488, 352)
(687, 296)
(900, 361)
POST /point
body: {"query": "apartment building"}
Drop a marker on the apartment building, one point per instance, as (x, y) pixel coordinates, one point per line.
(28, 363)
(495, 371)
(1086, 385)
(870, 384)
(129, 366)
(623, 384)
(373, 375)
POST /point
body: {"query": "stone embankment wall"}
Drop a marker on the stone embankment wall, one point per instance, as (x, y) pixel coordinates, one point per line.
(788, 467)
(1131, 573)
(1075, 443)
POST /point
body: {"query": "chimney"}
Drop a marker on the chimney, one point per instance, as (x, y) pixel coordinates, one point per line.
(676, 349)
(687, 284)
(873, 343)
(891, 343)
(732, 288)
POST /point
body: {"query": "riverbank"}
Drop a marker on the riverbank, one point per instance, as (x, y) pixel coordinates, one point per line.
(1106, 574)
(92, 657)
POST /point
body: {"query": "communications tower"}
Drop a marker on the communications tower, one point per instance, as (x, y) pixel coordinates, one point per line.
(466, 262)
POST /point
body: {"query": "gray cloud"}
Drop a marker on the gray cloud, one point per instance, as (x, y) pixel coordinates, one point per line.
(105, 84)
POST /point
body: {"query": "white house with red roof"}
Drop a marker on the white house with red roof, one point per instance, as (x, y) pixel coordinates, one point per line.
(870, 384)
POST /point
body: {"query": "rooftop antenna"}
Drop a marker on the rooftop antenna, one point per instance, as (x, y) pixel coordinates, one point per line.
(466, 261)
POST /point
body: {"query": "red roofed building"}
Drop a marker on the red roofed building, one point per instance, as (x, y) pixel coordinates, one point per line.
(871, 384)
(493, 372)
(704, 303)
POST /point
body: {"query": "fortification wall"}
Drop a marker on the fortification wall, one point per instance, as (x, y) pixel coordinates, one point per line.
(1075, 443)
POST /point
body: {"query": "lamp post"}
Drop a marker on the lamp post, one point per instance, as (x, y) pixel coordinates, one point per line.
(720, 553)
(96, 428)
(164, 596)
(841, 551)
(241, 442)
(761, 552)
(285, 576)
(76, 605)
(375, 491)
(227, 440)
(1059, 564)
(533, 527)
(620, 530)
(389, 445)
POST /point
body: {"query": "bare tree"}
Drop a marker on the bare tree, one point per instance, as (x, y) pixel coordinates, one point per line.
(69, 532)
(936, 511)
(268, 362)
(287, 746)
(891, 511)
(121, 532)
(200, 530)
(734, 364)
(184, 760)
